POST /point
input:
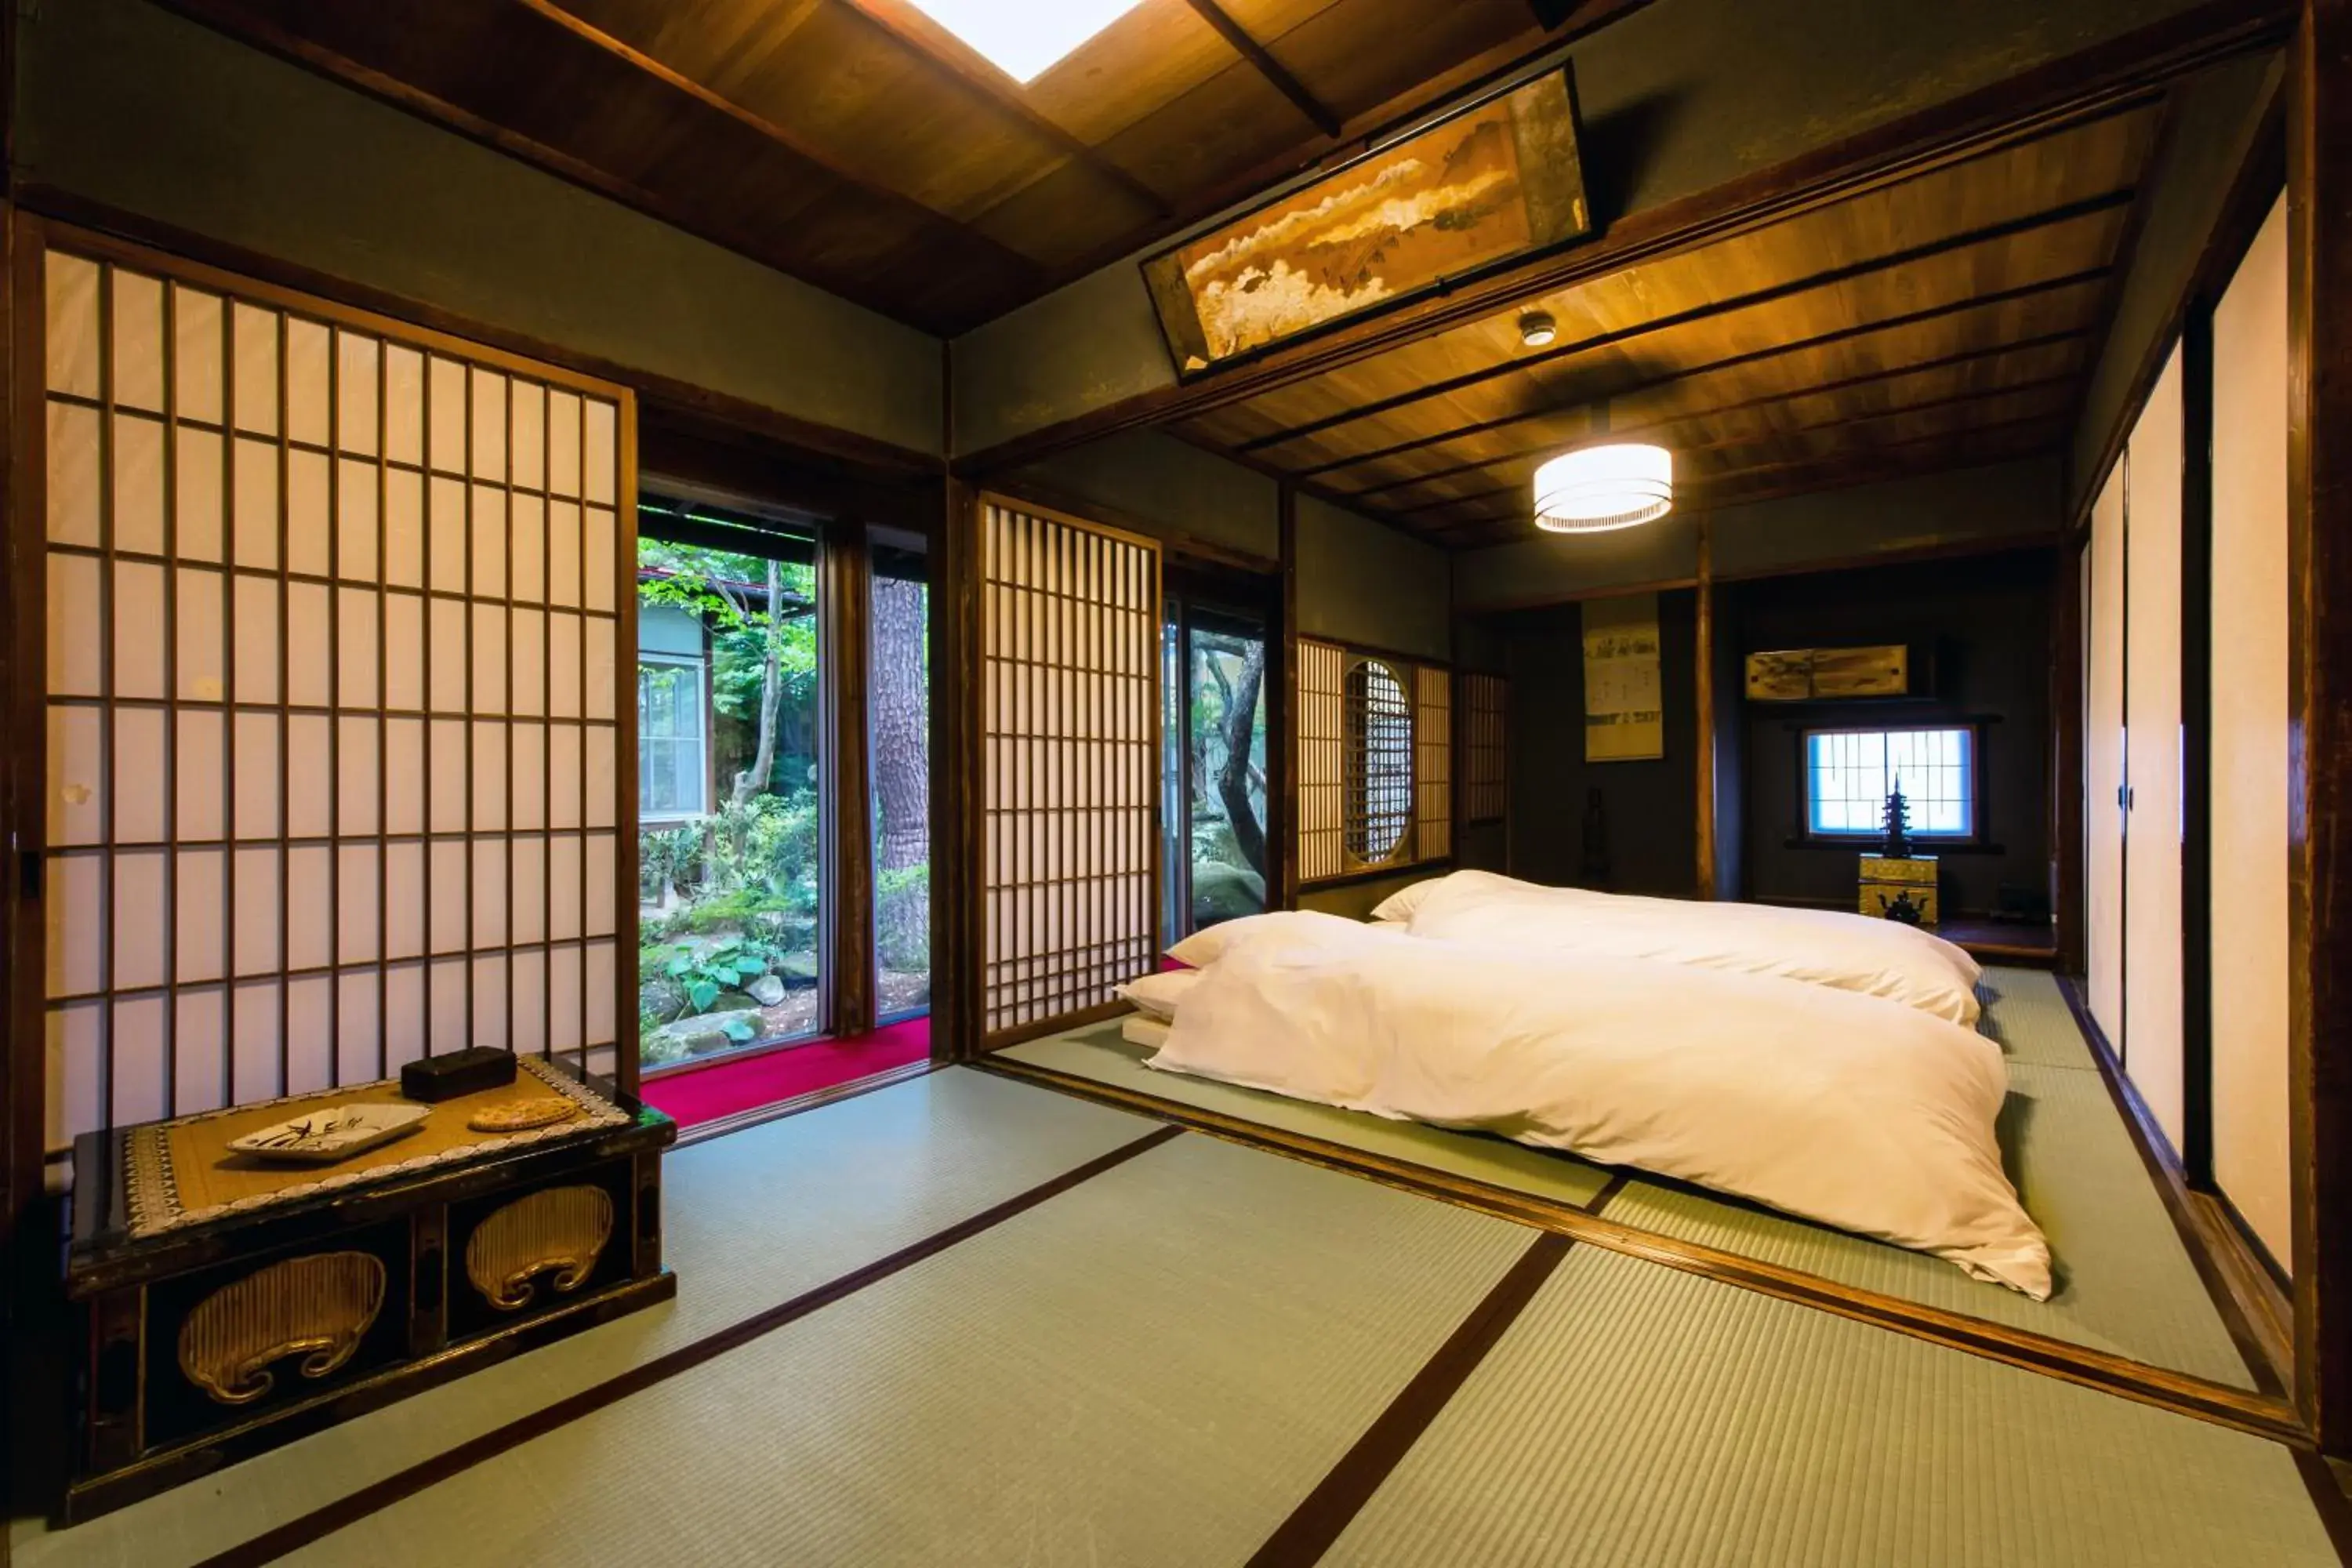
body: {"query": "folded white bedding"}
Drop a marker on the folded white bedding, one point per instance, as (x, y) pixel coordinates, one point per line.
(1142, 1029)
(1837, 1107)
(1848, 953)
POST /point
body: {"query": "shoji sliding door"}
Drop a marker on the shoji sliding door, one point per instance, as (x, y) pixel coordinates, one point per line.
(2103, 758)
(2152, 1037)
(334, 759)
(1069, 727)
(2252, 729)
(1433, 765)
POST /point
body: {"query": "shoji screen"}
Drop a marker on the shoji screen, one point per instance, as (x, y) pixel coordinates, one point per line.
(2250, 736)
(2103, 758)
(334, 758)
(2151, 1042)
(1070, 635)
(1322, 742)
(1485, 713)
(1432, 743)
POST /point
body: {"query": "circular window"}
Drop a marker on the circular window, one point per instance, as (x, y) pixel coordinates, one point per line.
(1378, 794)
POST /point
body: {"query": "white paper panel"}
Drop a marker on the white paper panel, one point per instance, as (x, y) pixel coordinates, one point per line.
(563, 666)
(447, 1013)
(445, 655)
(309, 906)
(74, 345)
(200, 647)
(200, 914)
(404, 404)
(310, 522)
(357, 375)
(403, 652)
(601, 457)
(445, 544)
(562, 553)
(358, 867)
(596, 569)
(527, 532)
(490, 1001)
(139, 626)
(309, 415)
(310, 1034)
(198, 494)
(564, 891)
(358, 1026)
(530, 911)
(404, 899)
(74, 666)
(143, 912)
(563, 999)
(309, 777)
(563, 443)
(254, 491)
(529, 667)
(600, 630)
(445, 865)
(310, 653)
(489, 658)
(527, 983)
(603, 988)
(600, 884)
(256, 639)
(356, 520)
(253, 1052)
(563, 775)
(199, 1057)
(403, 528)
(529, 745)
(197, 355)
(489, 775)
(141, 775)
(489, 892)
(256, 901)
(252, 334)
(76, 792)
(489, 533)
(447, 774)
(74, 906)
(138, 484)
(75, 475)
(403, 775)
(490, 425)
(603, 788)
(257, 781)
(141, 1024)
(356, 635)
(138, 329)
(198, 777)
(530, 435)
(74, 1058)
(404, 1014)
(445, 414)
(361, 777)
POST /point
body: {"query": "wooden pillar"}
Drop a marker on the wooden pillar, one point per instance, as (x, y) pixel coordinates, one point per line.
(2067, 845)
(2319, 526)
(844, 574)
(1704, 684)
(1282, 717)
(959, 775)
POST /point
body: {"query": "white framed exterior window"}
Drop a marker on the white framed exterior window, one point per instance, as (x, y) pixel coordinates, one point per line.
(673, 737)
(1850, 772)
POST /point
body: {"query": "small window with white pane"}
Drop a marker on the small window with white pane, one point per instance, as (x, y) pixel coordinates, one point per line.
(1849, 773)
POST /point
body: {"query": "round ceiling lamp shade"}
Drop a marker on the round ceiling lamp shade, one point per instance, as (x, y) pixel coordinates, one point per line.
(1596, 488)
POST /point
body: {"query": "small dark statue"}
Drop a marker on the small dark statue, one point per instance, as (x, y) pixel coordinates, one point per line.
(1903, 909)
(1898, 826)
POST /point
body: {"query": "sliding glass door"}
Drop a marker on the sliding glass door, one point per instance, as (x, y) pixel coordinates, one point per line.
(898, 720)
(1214, 756)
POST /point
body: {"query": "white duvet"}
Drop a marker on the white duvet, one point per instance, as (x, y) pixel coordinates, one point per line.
(1834, 1106)
(1850, 952)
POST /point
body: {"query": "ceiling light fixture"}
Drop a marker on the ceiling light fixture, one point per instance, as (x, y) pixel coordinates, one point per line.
(1618, 484)
(1538, 329)
(1026, 38)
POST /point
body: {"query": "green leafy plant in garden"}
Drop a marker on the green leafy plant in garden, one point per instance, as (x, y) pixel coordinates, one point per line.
(708, 972)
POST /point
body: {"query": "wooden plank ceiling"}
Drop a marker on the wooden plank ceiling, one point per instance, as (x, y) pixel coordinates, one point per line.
(1944, 321)
(857, 144)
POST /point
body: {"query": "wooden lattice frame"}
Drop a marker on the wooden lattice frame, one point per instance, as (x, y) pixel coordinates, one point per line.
(1486, 741)
(1342, 820)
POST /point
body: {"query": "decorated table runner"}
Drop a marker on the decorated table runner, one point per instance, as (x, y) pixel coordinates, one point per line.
(183, 1172)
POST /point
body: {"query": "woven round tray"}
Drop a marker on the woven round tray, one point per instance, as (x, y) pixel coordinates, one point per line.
(522, 1115)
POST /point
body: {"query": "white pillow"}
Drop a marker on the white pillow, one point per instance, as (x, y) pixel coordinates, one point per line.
(1204, 947)
(1401, 904)
(1158, 994)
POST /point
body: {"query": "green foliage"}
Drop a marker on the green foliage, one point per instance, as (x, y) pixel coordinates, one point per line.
(902, 902)
(704, 972)
(728, 593)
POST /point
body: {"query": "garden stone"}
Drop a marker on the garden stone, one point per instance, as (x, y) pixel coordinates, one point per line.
(767, 990)
(701, 1034)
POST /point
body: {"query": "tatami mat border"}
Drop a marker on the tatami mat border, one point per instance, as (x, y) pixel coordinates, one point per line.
(2266, 1416)
(815, 1100)
(320, 1522)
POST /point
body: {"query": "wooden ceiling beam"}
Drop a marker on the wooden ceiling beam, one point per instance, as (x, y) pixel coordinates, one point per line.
(1756, 356)
(1814, 428)
(1819, 389)
(950, 57)
(1991, 234)
(1266, 65)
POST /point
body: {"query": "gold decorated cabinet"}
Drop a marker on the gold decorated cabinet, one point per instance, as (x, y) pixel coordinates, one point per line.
(1889, 884)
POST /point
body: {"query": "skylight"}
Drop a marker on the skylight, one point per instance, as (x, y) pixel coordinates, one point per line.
(1023, 38)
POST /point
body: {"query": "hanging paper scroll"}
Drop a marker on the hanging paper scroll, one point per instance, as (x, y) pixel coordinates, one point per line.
(1623, 721)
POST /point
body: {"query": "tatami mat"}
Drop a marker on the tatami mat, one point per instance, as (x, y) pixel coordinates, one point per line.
(1639, 1415)
(751, 1219)
(1152, 1368)
(2025, 1011)
(1098, 1055)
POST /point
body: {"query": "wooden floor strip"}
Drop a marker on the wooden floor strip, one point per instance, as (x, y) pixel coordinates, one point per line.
(320, 1522)
(1320, 1518)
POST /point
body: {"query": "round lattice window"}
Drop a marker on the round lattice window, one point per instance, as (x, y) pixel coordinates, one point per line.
(1377, 801)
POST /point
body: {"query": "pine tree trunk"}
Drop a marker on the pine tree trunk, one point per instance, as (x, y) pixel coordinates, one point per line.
(753, 779)
(899, 710)
(1233, 777)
